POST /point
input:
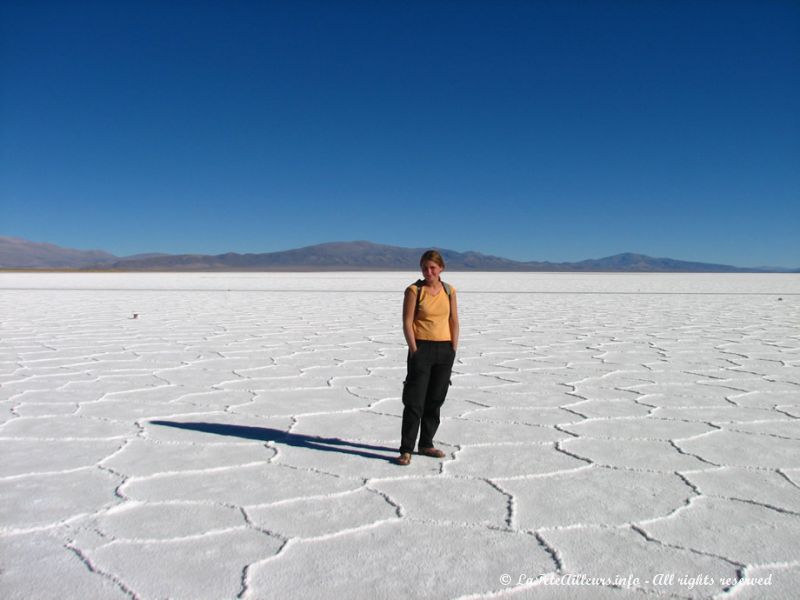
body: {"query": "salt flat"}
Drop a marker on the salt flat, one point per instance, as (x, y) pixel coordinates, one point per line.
(607, 436)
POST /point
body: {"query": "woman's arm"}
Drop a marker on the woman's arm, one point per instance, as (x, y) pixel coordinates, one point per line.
(409, 306)
(454, 327)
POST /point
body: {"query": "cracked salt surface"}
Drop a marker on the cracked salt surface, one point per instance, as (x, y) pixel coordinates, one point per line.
(236, 439)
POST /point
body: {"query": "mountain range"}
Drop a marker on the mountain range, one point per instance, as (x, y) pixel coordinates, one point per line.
(20, 254)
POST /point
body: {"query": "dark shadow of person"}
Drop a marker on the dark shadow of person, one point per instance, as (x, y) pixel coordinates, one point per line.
(267, 434)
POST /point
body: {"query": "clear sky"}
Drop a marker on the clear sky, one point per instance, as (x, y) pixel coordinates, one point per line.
(535, 130)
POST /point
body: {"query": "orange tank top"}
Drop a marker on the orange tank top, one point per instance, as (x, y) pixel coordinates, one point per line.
(432, 321)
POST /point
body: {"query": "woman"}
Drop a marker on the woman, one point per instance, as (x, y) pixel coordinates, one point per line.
(430, 325)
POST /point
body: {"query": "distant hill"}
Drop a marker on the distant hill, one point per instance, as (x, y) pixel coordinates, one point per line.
(640, 263)
(16, 253)
(331, 256)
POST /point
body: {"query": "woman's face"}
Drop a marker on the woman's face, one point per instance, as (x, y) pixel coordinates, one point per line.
(431, 270)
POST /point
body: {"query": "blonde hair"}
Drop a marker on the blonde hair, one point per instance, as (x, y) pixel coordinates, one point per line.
(434, 256)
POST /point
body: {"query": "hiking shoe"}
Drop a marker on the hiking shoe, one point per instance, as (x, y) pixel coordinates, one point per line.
(433, 452)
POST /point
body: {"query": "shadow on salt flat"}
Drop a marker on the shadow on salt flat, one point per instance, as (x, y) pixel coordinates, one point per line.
(268, 434)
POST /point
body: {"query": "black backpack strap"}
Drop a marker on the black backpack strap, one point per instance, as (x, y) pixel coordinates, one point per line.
(448, 290)
(419, 283)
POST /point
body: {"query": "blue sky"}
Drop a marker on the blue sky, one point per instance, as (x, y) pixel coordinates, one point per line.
(532, 130)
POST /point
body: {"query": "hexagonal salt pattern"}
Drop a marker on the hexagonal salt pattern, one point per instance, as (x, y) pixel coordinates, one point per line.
(237, 439)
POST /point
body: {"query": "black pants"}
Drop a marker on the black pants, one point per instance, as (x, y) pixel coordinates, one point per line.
(424, 392)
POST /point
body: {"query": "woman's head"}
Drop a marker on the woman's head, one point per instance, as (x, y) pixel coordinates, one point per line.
(431, 263)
